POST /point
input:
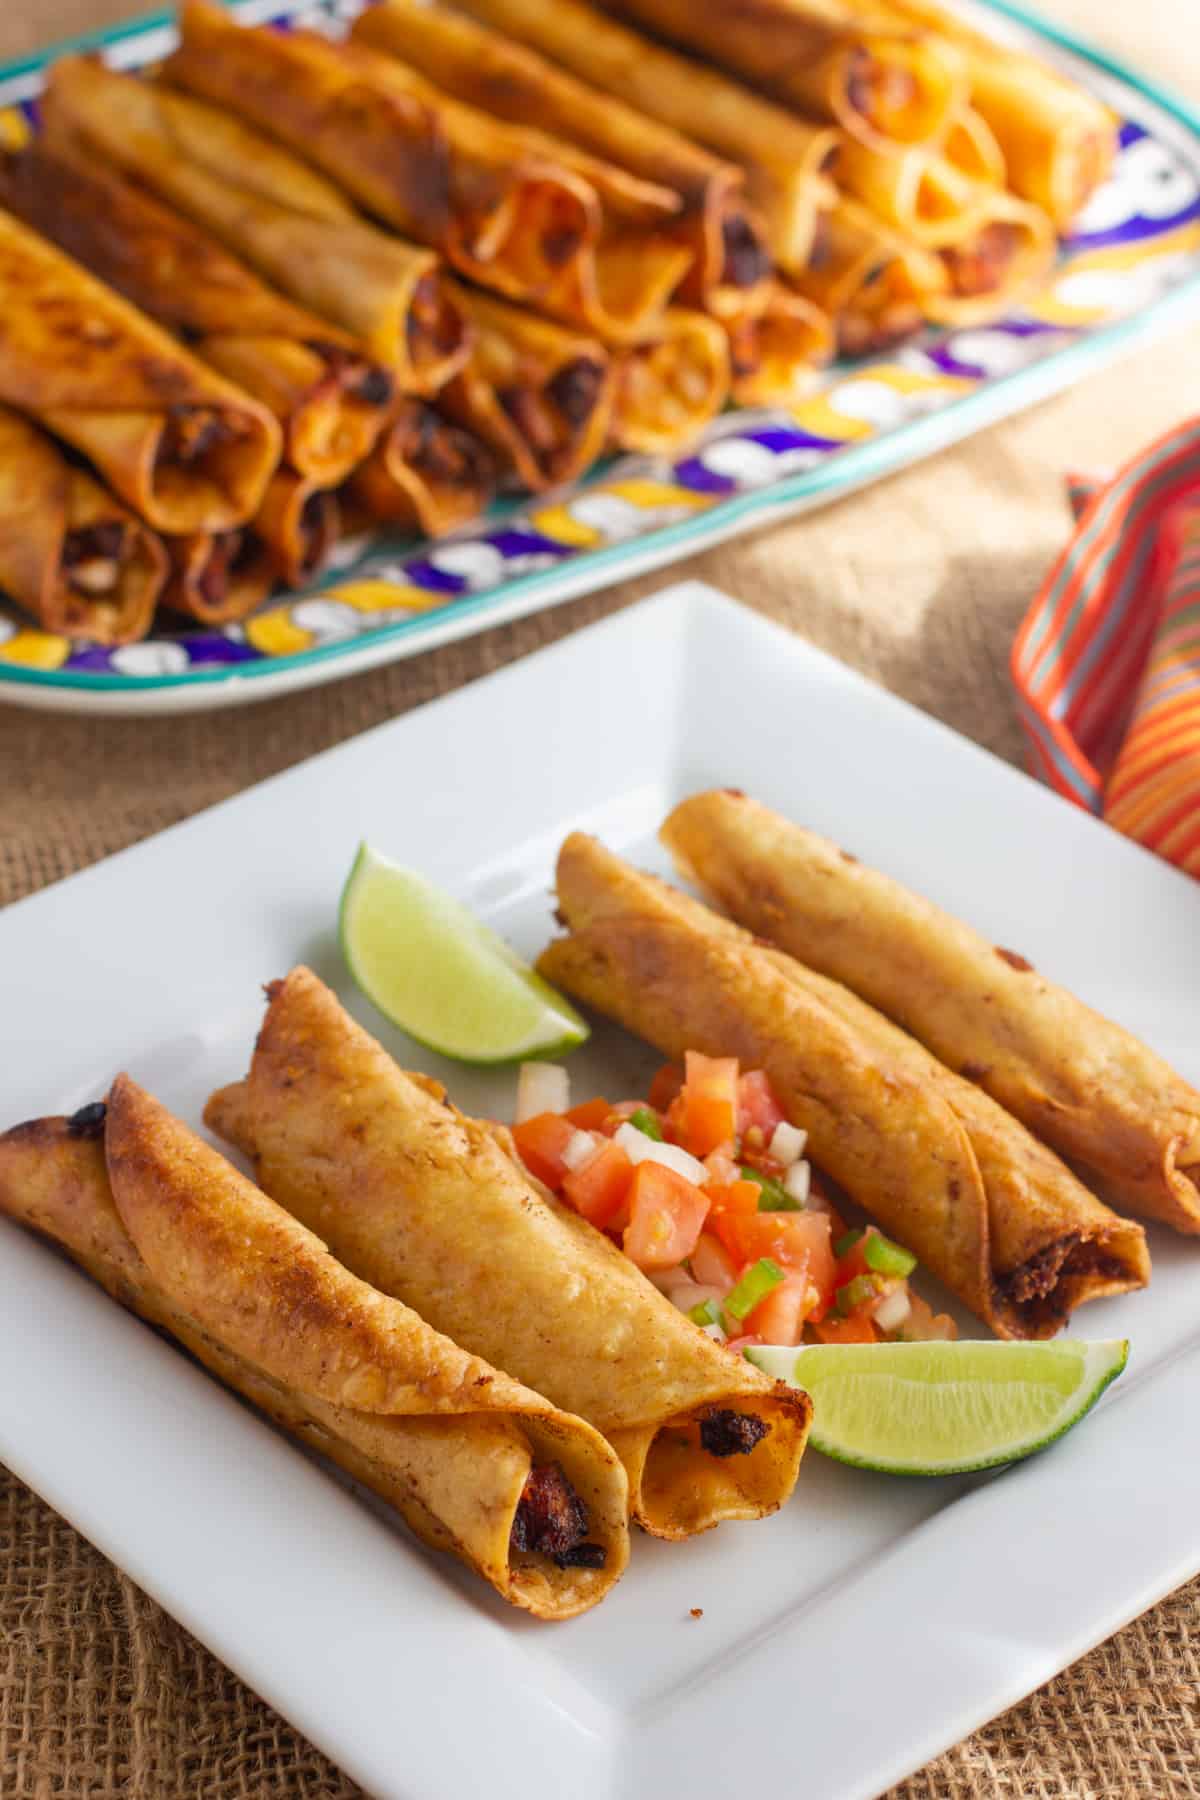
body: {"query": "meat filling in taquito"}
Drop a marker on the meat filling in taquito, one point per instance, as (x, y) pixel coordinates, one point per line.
(300, 522)
(513, 82)
(218, 576)
(672, 385)
(1077, 1079)
(185, 449)
(775, 354)
(1003, 250)
(69, 553)
(424, 473)
(984, 1207)
(430, 1205)
(330, 398)
(874, 285)
(539, 395)
(271, 210)
(531, 1499)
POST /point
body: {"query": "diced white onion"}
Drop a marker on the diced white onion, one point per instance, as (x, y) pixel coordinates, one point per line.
(542, 1088)
(580, 1149)
(787, 1145)
(797, 1181)
(714, 1331)
(693, 1293)
(640, 1148)
(893, 1309)
(669, 1281)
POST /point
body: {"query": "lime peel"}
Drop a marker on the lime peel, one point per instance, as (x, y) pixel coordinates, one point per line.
(441, 975)
(943, 1408)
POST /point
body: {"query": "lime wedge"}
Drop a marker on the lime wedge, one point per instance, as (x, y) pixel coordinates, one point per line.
(433, 969)
(942, 1409)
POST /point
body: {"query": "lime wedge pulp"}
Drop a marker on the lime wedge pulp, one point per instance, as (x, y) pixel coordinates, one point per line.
(433, 969)
(943, 1408)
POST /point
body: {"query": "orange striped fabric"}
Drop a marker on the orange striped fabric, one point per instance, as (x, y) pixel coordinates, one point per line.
(1107, 662)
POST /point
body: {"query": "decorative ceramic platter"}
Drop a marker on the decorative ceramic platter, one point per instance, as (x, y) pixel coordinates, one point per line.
(1132, 266)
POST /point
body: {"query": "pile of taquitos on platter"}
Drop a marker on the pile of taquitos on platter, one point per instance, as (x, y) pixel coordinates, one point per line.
(284, 286)
(398, 1291)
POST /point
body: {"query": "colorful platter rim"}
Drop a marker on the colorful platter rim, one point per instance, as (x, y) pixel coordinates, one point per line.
(1131, 268)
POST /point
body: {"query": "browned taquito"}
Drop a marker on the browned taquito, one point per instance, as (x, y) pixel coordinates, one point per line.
(875, 285)
(218, 577)
(425, 473)
(540, 396)
(1077, 1079)
(330, 398)
(185, 448)
(671, 385)
(69, 553)
(530, 1498)
(270, 209)
(997, 255)
(921, 195)
(971, 146)
(854, 64)
(987, 1209)
(508, 79)
(299, 521)
(430, 1205)
(776, 353)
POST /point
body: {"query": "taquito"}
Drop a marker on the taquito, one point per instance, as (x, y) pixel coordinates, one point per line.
(299, 521)
(989, 1211)
(514, 82)
(430, 1205)
(1075, 1078)
(853, 64)
(262, 204)
(425, 473)
(671, 385)
(531, 1499)
(183, 447)
(776, 353)
(328, 395)
(997, 255)
(875, 285)
(69, 553)
(971, 146)
(218, 577)
(540, 396)
(925, 197)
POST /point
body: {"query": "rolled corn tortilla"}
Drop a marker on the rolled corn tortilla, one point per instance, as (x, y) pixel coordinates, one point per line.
(476, 1464)
(299, 521)
(671, 385)
(425, 473)
(995, 256)
(777, 352)
(183, 447)
(923, 196)
(71, 555)
(1078, 1080)
(218, 577)
(971, 146)
(428, 1204)
(512, 81)
(540, 396)
(330, 398)
(990, 1212)
(855, 65)
(875, 285)
(270, 210)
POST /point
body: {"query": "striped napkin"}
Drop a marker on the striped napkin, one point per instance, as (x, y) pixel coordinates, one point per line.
(1107, 661)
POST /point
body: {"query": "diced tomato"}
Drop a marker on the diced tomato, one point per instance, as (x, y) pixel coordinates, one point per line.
(710, 1093)
(590, 1115)
(541, 1142)
(758, 1105)
(858, 1330)
(712, 1264)
(598, 1189)
(738, 1344)
(779, 1319)
(795, 1240)
(665, 1086)
(666, 1216)
(674, 1120)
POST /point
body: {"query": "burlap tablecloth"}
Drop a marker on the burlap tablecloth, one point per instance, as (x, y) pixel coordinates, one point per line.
(919, 583)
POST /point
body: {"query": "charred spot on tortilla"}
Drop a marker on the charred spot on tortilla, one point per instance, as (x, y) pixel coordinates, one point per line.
(1014, 961)
(848, 856)
(724, 1432)
(975, 1071)
(745, 260)
(192, 433)
(574, 389)
(374, 387)
(551, 1520)
(88, 1122)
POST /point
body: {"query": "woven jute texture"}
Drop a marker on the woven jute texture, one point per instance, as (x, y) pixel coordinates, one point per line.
(920, 584)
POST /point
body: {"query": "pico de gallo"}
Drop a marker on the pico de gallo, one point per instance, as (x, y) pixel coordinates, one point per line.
(705, 1186)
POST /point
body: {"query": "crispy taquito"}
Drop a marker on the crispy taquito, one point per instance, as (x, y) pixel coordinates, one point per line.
(185, 448)
(270, 209)
(71, 555)
(328, 395)
(512, 81)
(996, 256)
(986, 1208)
(527, 1496)
(672, 384)
(874, 284)
(1077, 1079)
(777, 351)
(431, 1206)
(218, 577)
(425, 474)
(299, 521)
(971, 146)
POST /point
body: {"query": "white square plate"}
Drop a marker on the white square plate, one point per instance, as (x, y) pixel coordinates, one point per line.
(842, 1643)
